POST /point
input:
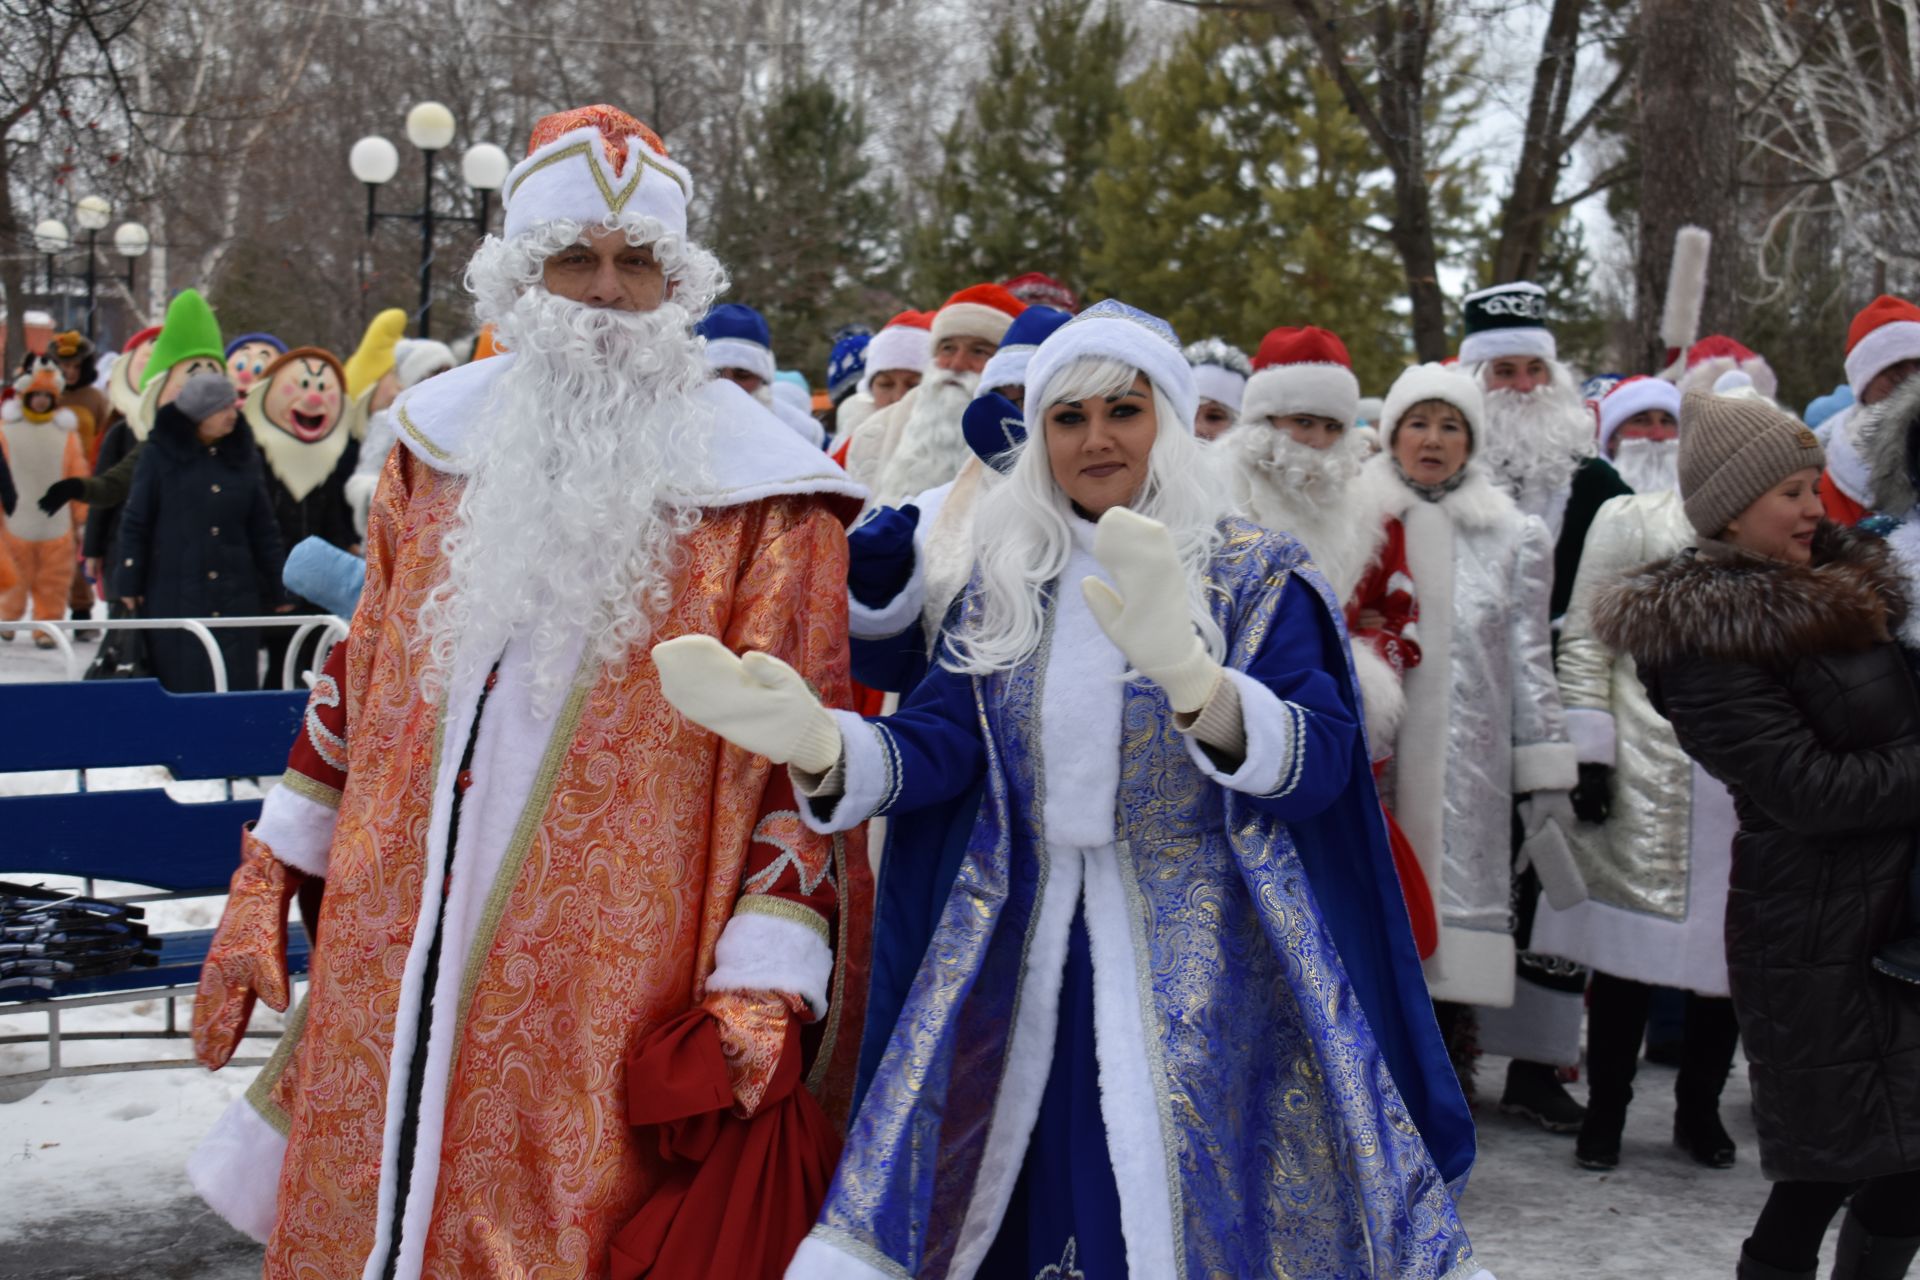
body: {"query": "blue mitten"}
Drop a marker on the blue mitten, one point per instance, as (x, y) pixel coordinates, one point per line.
(323, 573)
(880, 555)
(995, 428)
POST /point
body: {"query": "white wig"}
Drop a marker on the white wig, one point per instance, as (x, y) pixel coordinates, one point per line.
(1024, 530)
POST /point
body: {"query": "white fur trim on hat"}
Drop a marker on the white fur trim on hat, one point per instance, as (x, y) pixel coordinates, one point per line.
(571, 178)
(1889, 344)
(1219, 384)
(1007, 367)
(1119, 338)
(1282, 390)
(739, 353)
(969, 320)
(1637, 396)
(1491, 344)
(1441, 382)
(896, 348)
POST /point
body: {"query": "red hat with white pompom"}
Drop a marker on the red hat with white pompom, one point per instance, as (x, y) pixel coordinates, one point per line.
(1301, 370)
(1638, 394)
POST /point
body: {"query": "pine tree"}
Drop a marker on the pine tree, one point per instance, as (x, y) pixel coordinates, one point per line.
(1239, 195)
(1016, 191)
(803, 228)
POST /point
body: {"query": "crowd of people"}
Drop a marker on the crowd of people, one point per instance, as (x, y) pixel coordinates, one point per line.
(1057, 802)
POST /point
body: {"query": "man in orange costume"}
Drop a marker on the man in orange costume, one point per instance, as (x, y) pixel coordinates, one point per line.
(543, 886)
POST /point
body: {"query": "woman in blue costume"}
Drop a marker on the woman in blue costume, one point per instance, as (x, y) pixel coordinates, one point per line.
(1172, 1022)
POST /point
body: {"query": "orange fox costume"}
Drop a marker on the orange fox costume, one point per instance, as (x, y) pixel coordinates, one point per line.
(41, 444)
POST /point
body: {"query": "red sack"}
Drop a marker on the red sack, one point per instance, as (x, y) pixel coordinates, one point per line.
(741, 1194)
(1413, 887)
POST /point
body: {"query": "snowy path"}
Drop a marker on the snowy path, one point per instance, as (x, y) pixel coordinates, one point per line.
(92, 1180)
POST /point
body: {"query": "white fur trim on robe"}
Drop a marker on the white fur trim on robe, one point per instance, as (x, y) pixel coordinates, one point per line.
(298, 831)
(1082, 695)
(753, 454)
(1276, 743)
(236, 1169)
(507, 754)
(1689, 953)
(871, 777)
(1382, 700)
(1592, 734)
(759, 952)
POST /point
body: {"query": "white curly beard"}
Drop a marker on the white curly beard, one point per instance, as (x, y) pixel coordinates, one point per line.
(1649, 466)
(1309, 494)
(568, 522)
(933, 441)
(1533, 441)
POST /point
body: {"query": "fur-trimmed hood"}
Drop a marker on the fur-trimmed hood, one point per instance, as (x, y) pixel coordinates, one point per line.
(1477, 504)
(1883, 434)
(1728, 605)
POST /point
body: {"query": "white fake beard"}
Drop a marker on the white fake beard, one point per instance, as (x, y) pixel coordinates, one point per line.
(1299, 473)
(1649, 466)
(1533, 440)
(933, 442)
(569, 521)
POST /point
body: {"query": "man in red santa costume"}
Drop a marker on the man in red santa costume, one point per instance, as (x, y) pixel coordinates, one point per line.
(1294, 461)
(1883, 351)
(919, 443)
(573, 946)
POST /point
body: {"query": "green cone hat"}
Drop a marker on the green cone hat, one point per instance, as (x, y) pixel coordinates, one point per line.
(190, 330)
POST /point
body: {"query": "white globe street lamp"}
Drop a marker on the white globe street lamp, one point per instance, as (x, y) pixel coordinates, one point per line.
(93, 213)
(50, 236)
(430, 128)
(131, 240)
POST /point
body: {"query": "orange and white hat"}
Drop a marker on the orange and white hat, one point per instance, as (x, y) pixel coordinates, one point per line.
(1886, 331)
(979, 311)
(590, 163)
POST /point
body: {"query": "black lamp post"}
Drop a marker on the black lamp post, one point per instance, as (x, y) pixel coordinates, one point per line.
(430, 127)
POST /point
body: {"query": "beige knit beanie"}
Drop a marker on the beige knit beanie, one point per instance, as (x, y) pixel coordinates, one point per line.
(1733, 449)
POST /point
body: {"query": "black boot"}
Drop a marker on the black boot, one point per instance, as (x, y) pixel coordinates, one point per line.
(1598, 1147)
(1865, 1256)
(1698, 1132)
(1535, 1092)
(1752, 1269)
(1900, 959)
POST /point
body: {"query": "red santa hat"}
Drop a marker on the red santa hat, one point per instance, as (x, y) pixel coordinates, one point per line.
(1885, 332)
(979, 311)
(1717, 354)
(1039, 290)
(591, 163)
(905, 343)
(1637, 394)
(1301, 369)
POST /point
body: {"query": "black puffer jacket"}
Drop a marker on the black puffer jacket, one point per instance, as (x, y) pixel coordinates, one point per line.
(1783, 682)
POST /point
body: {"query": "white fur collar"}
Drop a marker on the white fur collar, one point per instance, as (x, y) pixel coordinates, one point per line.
(1904, 542)
(1477, 504)
(754, 454)
(1845, 465)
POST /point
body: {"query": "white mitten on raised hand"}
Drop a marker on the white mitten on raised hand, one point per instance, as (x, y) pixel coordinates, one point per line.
(758, 702)
(1147, 617)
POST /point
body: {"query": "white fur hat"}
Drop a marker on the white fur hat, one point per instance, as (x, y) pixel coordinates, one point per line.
(1116, 331)
(1637, 394)
(1423, 382)
(589, 163)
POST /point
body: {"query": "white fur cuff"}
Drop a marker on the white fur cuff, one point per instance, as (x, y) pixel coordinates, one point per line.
(896, 615)
(1545, 766)
(297, 830)
(1592, 734)
(1274, 761)
(759, 951)
(236, 1169)
(872, 776)
(827, 1255)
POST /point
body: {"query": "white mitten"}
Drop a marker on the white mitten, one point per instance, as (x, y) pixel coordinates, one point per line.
(1545, 818)
(1147, 617)
(758, 702)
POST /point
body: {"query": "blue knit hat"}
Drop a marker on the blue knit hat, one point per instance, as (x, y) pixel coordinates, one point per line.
(848, 362)
(738, 338)
(245, 338)
(1007, 367)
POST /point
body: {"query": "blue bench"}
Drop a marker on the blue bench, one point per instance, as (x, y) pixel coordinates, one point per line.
(141, 837)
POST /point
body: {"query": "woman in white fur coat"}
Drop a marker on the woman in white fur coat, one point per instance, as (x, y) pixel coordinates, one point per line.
(1483, 721)
(1175, 945)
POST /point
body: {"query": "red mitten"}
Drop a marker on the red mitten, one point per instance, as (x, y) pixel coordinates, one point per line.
(248, 959)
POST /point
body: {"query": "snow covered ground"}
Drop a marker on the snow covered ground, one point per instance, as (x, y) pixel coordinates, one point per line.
(92, 1180)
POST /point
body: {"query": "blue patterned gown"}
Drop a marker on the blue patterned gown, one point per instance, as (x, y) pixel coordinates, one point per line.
(1272, 1096)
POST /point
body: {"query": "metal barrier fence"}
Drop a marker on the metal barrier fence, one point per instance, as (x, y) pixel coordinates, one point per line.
(331, 627)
